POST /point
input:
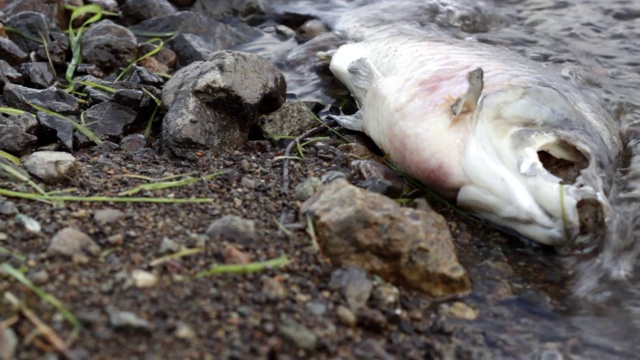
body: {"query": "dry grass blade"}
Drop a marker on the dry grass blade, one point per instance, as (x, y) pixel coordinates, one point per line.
(13, 272)
(179, 254)
(311, 230)
(170, 184)
(245, 268)
(18, 175)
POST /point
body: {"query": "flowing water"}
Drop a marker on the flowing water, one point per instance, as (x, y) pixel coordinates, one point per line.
(592, 42)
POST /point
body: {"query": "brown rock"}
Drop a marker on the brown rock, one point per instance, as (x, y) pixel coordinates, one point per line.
(409, 246)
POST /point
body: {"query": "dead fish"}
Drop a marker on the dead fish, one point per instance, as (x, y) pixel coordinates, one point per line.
(509, 139)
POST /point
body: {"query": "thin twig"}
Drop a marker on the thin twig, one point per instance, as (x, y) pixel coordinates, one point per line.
(48, 333)
(296, 142)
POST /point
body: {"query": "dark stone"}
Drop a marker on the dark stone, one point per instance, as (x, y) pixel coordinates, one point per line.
(108, 45)
(27, 122)
(135, 11)
(197, 35)
(213, 104)
(57, 100)
(37, 75)
(111, 121)
(57, 47)
(90, 70)
(165, 56)
(9, 73)
(55, 129)
(14, 140)
(52, 9)
(138, 101)
(141, 75)
(96, 96)
(31, 24)
(12, 53)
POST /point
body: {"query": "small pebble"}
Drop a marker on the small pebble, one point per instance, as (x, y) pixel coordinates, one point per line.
(169, 246)
(354, 285)
(298, 334)
(51, 166)
(372, 319)
(385, 295)
(459, 310)
(40, 277)
(31, 224)
(143, 279)
(307, 188)
(184, 331)
(346, 316)
(273, 288)
(10, 342)
(8, 208)
(233, 229)
(107, 216)
(128, 320)
(70, 242)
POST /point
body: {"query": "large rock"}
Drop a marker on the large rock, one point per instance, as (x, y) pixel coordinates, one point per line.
(108, 45)
(213, 104)
(31, 24)
(404, 245)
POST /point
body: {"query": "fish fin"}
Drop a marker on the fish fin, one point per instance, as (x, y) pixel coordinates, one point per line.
(469, 101)
(351, 122)
(363, 75)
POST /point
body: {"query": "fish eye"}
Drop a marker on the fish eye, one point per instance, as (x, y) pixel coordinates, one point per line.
(563, 160)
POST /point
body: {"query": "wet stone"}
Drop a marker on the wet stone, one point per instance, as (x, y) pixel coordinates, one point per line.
(298, 334)
(133, 142)
(56, 100)
(233, 229)
(108, 45)
(29, 23)
(12, 53)
(135, 11)
(405, 246)
(71, 242)
(51, 166)
(354, 285)
(55, 129)
(37, 75)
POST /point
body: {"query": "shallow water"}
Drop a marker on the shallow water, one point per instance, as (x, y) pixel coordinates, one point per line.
(592, 42)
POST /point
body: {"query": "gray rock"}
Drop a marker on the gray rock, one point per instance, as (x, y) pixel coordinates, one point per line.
(213, 104)
(57, 100)
(197, 36)
(403, 245)
(9, 73)
(12, 53)
(29, 23)
(29, 223)
(53, 10)
(7, 207)
(135, 11)
(107, 216)
(111, 121)
(169, 246)
(307, 188)
(14, 140)
(233, 229)
(298, 334)
(292, 119)
(56, 50)
(71, 242)
(37, 75)
(10, 342)
(108, 45)
(51, 166)
(126, 320)
(27, 122)
(354, 285)
(55, 129)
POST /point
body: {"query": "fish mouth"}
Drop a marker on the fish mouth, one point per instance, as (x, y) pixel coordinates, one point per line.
(530, 168)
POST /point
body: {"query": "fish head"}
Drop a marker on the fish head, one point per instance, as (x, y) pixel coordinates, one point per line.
(535, 164)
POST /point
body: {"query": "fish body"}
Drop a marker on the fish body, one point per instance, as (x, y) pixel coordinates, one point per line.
(523, 148)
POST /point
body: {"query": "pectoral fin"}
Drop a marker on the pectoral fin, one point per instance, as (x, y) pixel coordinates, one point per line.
(363, 75)
(351, 122)
(469, 101)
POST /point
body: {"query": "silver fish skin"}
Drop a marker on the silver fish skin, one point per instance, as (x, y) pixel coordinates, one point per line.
(536, 154)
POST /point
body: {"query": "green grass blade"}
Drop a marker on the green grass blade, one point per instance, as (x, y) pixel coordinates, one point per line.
(98, 86)
(147, 129)
(24, 35)
(150, 53)
(11, 111)
(81, 128)
(15, 160)
(75, 38)
(104, 12)
(18, 175)
(245, 268)
(13, 272)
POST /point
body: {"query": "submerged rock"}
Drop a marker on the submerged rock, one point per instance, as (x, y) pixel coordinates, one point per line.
(412, 247)
(213, 104)
(51, 166)
(57, 100)
(108, 45)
